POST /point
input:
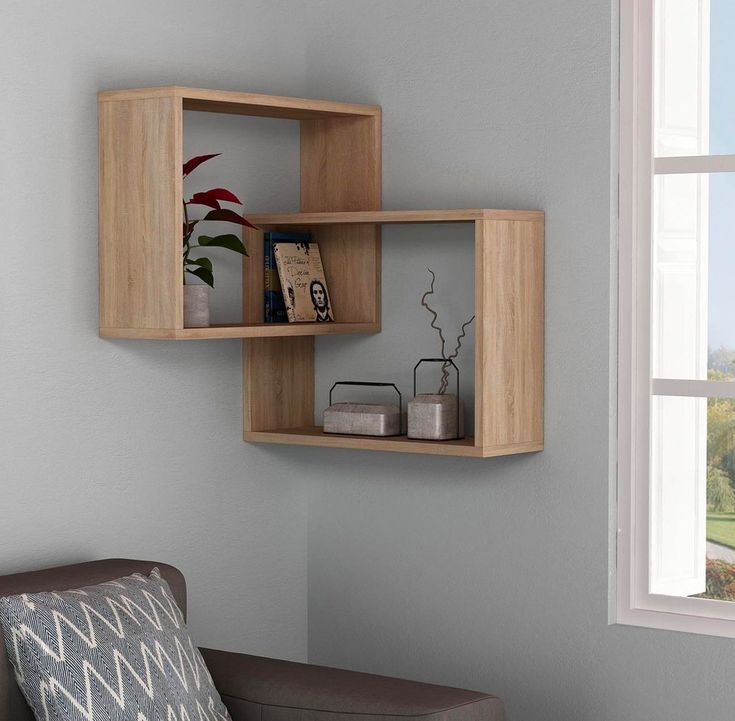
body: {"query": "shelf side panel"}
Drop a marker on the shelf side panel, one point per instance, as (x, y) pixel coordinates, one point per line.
(253, 270)
(340, 164)
(509, 353)
(340, 170)
(278, 379)
(351, 258)
(140, 226)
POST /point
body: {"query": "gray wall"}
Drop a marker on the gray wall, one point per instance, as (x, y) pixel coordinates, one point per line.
(489, 574)
(122, 448)
(493, 574)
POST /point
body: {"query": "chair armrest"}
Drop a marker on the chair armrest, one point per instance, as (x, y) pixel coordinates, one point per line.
(250, 684)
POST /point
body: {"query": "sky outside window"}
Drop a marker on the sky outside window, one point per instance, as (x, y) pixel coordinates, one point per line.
(721, 324)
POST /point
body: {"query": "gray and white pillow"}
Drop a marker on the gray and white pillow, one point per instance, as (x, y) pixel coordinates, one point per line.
(118, 651)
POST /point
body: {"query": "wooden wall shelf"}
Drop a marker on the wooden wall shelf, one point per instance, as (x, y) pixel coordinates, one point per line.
(141, 155)
(508, 337)
(239, 330)
(386, 217)
(237, 103)
(141, 280)
(314, 436)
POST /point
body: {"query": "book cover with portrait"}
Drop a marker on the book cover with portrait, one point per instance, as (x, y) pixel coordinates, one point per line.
(274, 307)
(303, 283)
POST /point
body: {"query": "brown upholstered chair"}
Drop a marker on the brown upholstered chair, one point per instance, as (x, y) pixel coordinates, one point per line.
(264, 689)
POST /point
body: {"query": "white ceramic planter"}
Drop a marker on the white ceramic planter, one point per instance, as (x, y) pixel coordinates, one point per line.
(196, 306)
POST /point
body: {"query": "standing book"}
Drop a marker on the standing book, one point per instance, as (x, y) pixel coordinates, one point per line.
(273, 305)
(303, 282)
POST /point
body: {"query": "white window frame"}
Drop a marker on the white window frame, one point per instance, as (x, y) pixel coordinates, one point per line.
(634, 604)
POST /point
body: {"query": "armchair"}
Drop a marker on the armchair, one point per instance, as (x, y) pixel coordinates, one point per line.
(263, 689)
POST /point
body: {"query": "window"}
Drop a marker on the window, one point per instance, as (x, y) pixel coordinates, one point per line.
(676, 316)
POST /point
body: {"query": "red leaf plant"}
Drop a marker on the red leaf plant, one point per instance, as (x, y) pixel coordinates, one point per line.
(212, 197)
(190, 165)
(202, 267)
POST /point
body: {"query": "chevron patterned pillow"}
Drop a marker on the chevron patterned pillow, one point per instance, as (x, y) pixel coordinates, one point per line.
(118, 651)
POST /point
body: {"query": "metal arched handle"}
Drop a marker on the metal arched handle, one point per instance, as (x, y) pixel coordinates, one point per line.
(369, 383)
(435, 360)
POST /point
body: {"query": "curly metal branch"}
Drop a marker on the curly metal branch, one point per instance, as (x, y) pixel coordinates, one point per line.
(445, 366)
(435, 316)
(461, 335)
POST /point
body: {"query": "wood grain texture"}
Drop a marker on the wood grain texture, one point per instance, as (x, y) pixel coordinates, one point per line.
(340, 164)
(140, 213)
(253, 277)
(314, 436)
(509, 340)
(453, 215)
(340, 170)
(242, 330)
(278, 381)
(351, 258)
(240, 103)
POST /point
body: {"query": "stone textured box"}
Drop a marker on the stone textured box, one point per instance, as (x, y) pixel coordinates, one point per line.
(363, 419)
(433, 417)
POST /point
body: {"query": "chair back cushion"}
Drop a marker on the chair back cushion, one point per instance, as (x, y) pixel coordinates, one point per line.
(12, 704)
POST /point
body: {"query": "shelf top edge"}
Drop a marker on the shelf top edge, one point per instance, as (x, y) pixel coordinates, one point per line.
(462, 215)
(240, 330)
(230, 100)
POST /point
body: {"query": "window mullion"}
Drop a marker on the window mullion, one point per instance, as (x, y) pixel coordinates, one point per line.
(692, 388)
(694, 164)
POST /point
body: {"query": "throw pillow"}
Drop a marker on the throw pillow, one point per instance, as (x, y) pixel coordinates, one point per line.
(118, 651)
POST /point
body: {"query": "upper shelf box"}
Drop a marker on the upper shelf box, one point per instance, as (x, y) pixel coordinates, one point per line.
(140, 159)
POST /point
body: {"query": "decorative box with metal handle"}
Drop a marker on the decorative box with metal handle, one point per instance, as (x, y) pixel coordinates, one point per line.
(364, 419)
(436, 416)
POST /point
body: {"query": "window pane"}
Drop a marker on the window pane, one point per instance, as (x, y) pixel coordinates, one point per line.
(678, 495)
(693, 497)
(694, 105)
(693, 277)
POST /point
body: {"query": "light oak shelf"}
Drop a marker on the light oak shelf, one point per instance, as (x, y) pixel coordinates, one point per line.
(238, 103)
(386, 217)
(141, 278)
(315, 436)
(141, 155)
(240, 330)
(509, 282)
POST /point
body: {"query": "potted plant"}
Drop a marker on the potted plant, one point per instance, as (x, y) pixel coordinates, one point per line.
(196, 296)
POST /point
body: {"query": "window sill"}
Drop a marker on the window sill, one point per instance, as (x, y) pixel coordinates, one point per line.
(670, 620)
